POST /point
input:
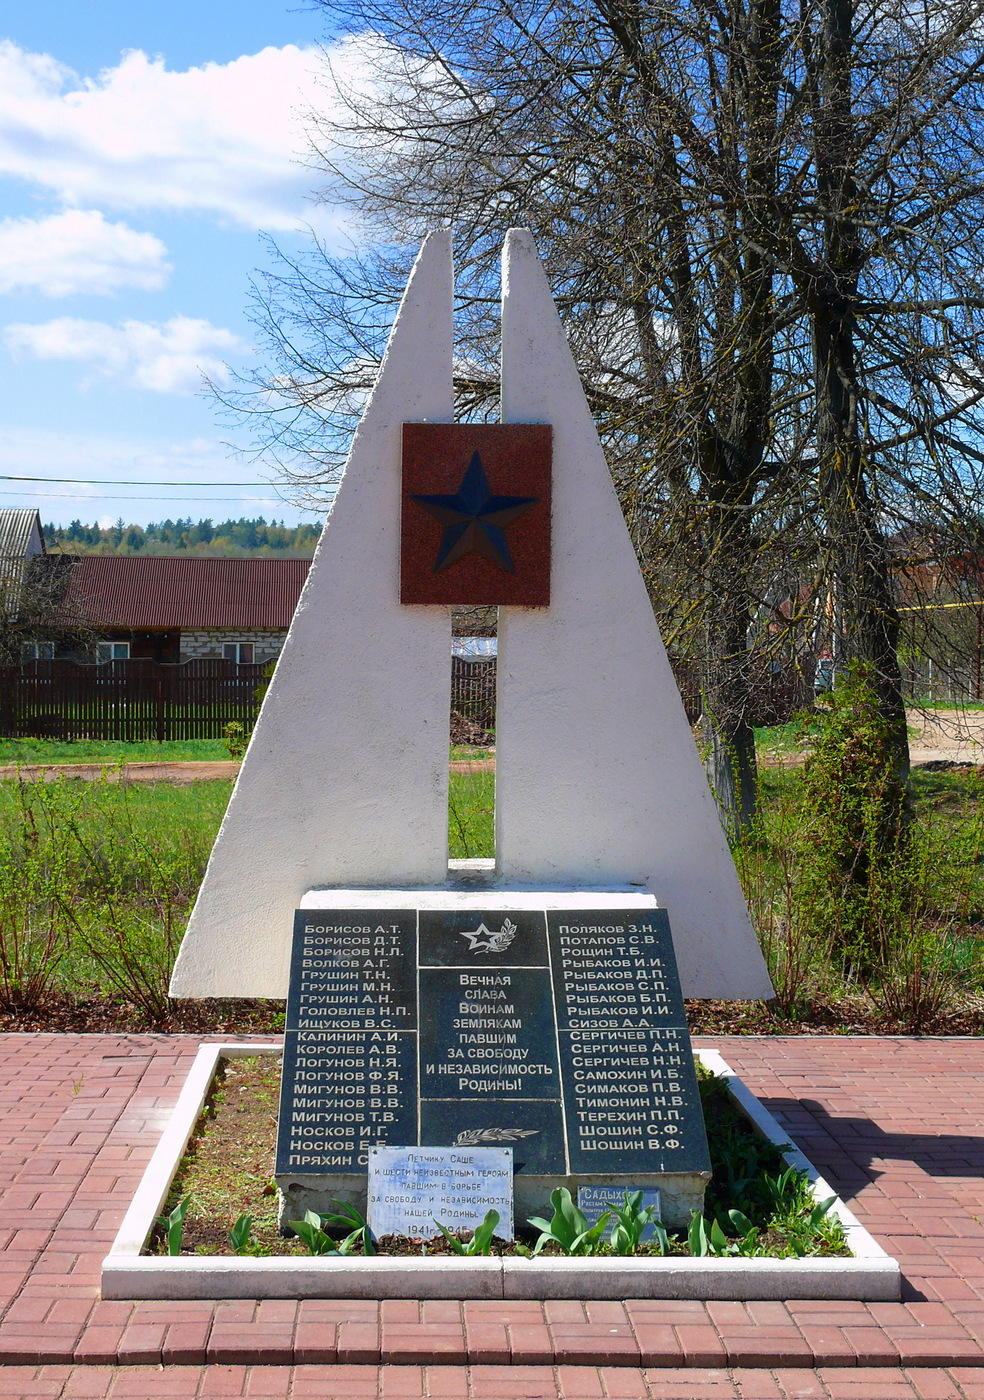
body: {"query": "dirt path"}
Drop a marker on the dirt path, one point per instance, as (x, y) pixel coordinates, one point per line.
(181, 773)
(949, 736)
(956, 736)
(938, 737)
(178, 772)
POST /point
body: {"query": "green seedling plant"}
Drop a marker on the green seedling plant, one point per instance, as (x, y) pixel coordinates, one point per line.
(481, 1240)
(805, 1221)
(240, 1236)
(346, 1217)
(709, 1238)
(174, 1225)
(313, 1235)
(318, 1241)
(747, 1235)
(783, 1190)
(633, 1220)
(236, 738)
(569, 1227)
(789, 1208)
(705, 1238)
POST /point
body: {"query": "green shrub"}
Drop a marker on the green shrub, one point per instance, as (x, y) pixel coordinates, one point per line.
(236, 738)
(861, 890)
(854, 851)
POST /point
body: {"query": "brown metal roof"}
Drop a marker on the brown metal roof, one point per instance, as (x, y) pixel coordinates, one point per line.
(168, 591)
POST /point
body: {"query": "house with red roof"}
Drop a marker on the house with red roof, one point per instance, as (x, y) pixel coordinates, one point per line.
(172, 608)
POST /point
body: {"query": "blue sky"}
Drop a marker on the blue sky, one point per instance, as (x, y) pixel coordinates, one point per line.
(144, 151)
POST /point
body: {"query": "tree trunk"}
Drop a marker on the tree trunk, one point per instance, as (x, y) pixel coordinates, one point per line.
(726, 723)
(865, 620)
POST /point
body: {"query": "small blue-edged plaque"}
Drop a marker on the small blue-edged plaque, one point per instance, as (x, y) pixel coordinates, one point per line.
(412, 1187)
(593, 1201)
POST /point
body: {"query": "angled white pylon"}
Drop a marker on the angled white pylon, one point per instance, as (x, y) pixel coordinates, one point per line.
(598, 780)
(345, 779)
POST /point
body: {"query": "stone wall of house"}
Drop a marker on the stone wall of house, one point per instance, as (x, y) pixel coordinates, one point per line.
(267, 643)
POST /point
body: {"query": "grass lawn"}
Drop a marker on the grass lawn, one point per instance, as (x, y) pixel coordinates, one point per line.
(787, 738)
(471, 815)
(109, 751)
(97, 880)
(945, 705)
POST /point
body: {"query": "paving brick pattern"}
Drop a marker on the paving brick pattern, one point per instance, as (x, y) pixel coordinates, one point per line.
(895, 1124)
(343, 1382)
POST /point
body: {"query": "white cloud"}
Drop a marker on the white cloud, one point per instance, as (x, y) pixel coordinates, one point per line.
(78, 251)
(223, 138)
(123, 454)
(168, 357)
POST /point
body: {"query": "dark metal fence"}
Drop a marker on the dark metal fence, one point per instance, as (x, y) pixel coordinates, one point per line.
(127, 700)
(473, 690)
(140, 700)
(773, 696)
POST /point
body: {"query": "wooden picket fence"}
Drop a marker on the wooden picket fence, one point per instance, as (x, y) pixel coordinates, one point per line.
(132, 701)
(473, 690)
(139, 700)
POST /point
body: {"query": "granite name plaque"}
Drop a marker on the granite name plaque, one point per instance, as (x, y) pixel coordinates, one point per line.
(411, 1188)
(560, 1034)
(350, 1055)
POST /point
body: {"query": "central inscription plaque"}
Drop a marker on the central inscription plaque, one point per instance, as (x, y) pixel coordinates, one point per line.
(558, 1033)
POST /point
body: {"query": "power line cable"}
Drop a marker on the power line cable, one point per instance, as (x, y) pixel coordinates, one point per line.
(190, 500)
(105, 481)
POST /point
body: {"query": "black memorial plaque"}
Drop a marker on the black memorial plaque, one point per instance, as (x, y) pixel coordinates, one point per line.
(452, 938)
(350, 1053)
(631, 1101)
(561, 1034)
(489, 1031)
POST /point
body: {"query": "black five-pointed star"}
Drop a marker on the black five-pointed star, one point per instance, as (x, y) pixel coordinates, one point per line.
(474, 519)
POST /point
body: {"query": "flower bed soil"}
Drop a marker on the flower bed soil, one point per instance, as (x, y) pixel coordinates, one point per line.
(228, 1166)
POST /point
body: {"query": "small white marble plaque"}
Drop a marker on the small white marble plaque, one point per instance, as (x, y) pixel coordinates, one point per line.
(411, 1187)
(593, 1201)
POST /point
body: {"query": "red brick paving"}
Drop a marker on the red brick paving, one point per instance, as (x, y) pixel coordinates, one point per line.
(340, 1382)
(895, 1124)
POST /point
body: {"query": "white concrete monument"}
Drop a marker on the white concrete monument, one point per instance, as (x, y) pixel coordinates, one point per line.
(601, 798)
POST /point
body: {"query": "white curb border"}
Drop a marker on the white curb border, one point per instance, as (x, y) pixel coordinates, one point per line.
(870, 1275)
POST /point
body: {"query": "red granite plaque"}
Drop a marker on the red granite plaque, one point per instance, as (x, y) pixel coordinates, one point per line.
(476, 514)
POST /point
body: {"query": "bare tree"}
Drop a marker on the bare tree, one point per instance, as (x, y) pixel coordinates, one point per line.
(874, 228)
(759, 220)
(532, 116)
(35, 613)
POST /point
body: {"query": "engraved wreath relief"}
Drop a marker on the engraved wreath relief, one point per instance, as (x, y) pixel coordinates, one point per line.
(473, 1137)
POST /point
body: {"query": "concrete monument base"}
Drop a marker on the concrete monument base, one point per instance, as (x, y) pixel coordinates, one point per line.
(681, 1193)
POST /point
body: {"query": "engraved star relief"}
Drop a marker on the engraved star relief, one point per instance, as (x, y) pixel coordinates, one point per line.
(475, 520)
(483, 937)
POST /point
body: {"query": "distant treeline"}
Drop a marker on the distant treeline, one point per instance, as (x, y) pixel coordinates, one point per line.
(228, 537)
